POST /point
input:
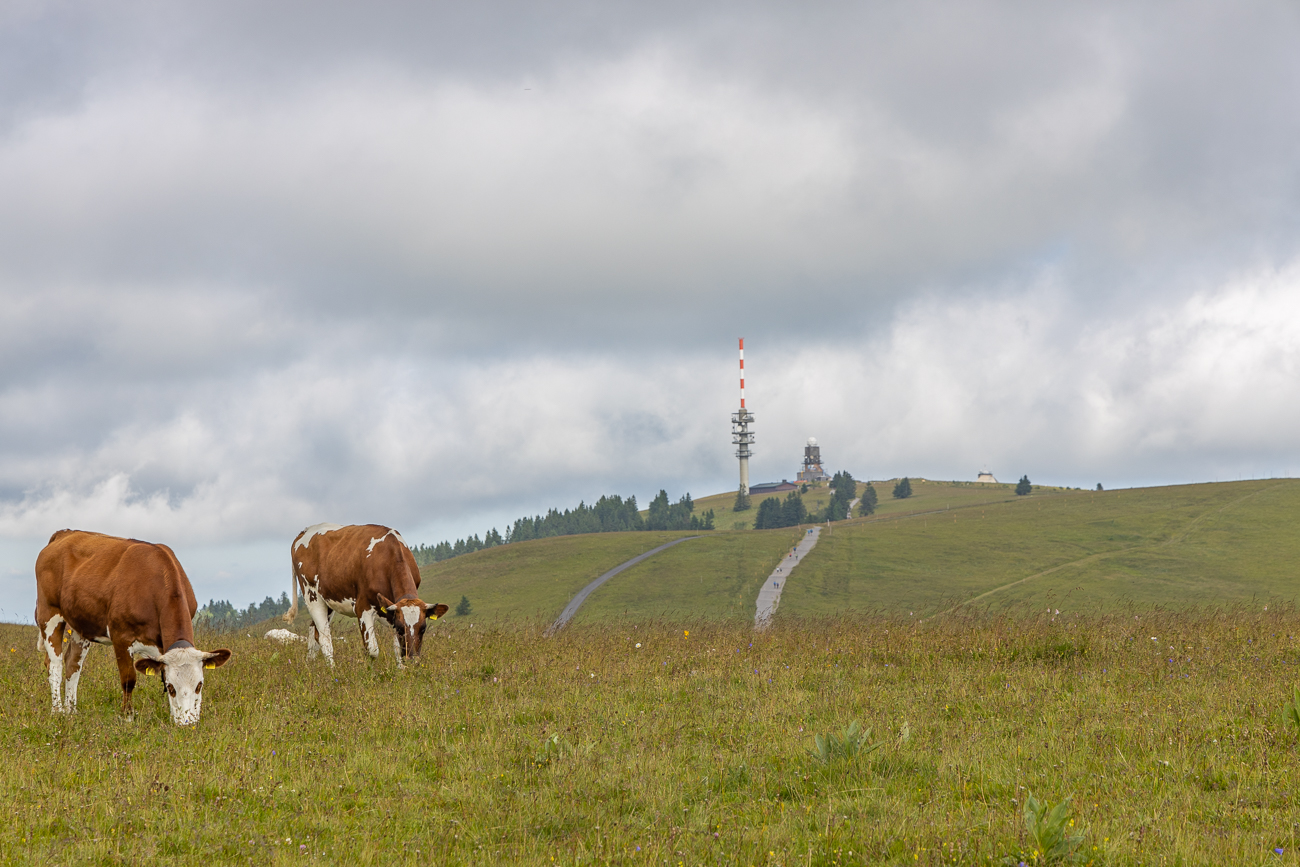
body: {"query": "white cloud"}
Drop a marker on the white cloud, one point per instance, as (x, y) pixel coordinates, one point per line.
(438, 272)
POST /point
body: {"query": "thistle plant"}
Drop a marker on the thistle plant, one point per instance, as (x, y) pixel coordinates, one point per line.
(854, 742)
(1049, 830)
(552, 749)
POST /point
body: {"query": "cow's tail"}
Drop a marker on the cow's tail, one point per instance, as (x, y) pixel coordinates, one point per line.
(292, 613)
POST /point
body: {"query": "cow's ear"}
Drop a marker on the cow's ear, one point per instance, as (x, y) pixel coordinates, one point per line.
(148, 666)
(435, 611)
(385, 605)
(216, 658)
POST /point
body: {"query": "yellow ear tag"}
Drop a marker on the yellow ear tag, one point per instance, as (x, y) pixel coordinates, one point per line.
(383, 610)
(433, 617)
(150, 672)
(209, 665)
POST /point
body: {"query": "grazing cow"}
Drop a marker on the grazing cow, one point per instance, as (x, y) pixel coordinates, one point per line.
(92, 588)
(359, 571)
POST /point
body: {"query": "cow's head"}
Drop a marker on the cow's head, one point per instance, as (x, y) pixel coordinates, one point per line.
(181, 669)
(409, 618)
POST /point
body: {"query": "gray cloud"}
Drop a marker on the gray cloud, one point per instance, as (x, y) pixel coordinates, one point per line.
(435, 266)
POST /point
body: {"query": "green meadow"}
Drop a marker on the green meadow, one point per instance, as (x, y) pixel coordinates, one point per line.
(650, 743)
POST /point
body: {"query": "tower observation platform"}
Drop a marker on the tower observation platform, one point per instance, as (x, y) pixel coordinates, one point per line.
(812, 463)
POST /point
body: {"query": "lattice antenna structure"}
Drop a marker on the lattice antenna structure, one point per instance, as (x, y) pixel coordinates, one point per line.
(741, 436)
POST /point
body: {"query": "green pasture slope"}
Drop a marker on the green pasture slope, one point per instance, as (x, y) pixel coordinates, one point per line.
(717, 576)
(1178, 546)
(950, 544)
(633, 743)
(532, 580)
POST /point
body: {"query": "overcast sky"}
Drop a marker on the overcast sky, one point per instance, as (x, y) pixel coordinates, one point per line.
(439, 265)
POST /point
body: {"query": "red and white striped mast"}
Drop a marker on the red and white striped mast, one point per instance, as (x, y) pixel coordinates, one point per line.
(741, 436)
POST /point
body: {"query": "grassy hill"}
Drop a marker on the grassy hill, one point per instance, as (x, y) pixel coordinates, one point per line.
(950, 543)
(532, 580)
(1174, 546)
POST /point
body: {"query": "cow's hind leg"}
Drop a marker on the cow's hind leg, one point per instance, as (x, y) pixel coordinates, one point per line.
(51, 640)
(318, 637)
(74, 654)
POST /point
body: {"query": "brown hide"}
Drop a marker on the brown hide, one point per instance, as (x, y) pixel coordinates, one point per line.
(366, 563)
(123, 589)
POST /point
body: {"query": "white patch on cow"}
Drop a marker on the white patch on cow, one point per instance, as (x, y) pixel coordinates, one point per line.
(412, 614)
(368, 632)
(139, 648)
(283, 636)
(344, 606)
(314, 530)
(53, 625)
(373, 542)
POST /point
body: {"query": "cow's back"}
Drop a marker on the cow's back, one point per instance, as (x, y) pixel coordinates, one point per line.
(348, 561)
(92, 577)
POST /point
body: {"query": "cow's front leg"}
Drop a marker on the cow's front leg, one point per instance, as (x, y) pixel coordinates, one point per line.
(366, 623)
(126, 671)
(74, 653)
(397, 647)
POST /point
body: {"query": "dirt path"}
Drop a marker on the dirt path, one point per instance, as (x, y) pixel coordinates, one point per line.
(576, 602)
(770, 596)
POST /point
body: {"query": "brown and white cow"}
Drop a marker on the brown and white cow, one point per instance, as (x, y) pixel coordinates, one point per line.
(92, 588)
(360, 570)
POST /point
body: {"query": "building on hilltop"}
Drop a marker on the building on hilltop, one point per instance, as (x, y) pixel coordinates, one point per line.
(772, 487)
(812, 463)
(986, 476)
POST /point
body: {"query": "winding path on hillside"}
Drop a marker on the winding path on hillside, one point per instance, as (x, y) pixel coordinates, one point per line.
(770, 596)
(576, 602)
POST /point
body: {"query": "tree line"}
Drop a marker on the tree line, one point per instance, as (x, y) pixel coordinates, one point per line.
(774, 513)
(221, 616)
(609, 514)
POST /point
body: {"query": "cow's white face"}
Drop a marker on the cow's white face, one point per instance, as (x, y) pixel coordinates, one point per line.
(181, 669)
(409, 620)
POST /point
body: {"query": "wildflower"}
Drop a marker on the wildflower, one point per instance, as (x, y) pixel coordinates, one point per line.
(686, 633)
(638, 644)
